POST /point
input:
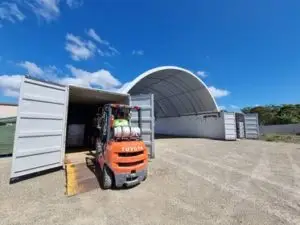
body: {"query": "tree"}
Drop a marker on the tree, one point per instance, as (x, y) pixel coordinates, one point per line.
(276, 114)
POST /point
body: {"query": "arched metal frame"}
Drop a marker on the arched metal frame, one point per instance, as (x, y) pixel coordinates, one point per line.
(177, 91)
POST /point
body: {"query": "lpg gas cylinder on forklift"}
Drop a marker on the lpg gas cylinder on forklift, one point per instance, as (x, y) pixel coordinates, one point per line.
(120, 151)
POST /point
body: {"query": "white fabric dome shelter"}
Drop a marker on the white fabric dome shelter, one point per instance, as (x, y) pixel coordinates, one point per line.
(177, 92)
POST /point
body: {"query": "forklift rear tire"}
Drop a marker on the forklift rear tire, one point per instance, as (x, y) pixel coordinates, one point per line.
(106, 178)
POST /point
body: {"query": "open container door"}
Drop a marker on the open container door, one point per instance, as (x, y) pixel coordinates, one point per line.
(146, 102)
(39, 142)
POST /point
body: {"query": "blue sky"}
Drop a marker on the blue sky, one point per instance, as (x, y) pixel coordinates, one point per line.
(247, 52)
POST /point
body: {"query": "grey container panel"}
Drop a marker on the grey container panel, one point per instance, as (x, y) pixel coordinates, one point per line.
(39, 141)
(210, 125)
(229, 126)
(251, 126)
(146, 125)
(240, 130)
(146, 102)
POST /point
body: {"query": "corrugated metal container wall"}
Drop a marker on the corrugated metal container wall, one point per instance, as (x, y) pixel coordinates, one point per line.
(146, 102)
(240, 127)
(240, 130)
(229, 125)
(190, 126)
(39, 140)
(7, 133)
(251, 126)
(210, 125)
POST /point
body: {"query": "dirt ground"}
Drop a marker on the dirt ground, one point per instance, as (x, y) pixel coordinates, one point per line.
(191, 181)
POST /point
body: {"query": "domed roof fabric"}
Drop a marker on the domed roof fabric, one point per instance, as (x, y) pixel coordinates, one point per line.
(177, 91)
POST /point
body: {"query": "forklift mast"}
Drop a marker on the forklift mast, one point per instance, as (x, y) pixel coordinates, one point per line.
(104, 121)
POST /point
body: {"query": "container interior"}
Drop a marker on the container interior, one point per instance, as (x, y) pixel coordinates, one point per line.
(82, 109)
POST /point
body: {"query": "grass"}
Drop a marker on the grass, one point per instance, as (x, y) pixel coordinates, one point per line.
(288, 138)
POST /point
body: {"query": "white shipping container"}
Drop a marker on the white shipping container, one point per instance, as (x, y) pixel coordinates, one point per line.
(210, 125)
(251, 126)
(240, 130)
(40, 136)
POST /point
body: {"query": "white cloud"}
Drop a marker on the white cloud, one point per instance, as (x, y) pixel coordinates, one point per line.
(10, 84)
(11, 93)
(120, 89)
(222, 107)
(202, 74)
(218, 93)
(108, 65)
(101, 78)
(45, 9)
(113, 51)
(92, 33)
(10, 12)
(84, 49)
(234, 107)
(124, 86)
(138, 52)
(231, 108)
(74, 3)
(79, 49)
(48, 73)
(106, 49)
(52, 70)
(32, 68)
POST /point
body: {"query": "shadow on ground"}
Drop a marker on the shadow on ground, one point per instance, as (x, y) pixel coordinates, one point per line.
(32, 175)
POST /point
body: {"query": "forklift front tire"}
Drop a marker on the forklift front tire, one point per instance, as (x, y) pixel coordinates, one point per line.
(106, 178)
(145, 177)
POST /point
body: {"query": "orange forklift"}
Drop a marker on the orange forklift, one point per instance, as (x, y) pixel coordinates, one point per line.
(120, 150)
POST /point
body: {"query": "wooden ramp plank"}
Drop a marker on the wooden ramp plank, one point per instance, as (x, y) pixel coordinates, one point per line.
(80, 177)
